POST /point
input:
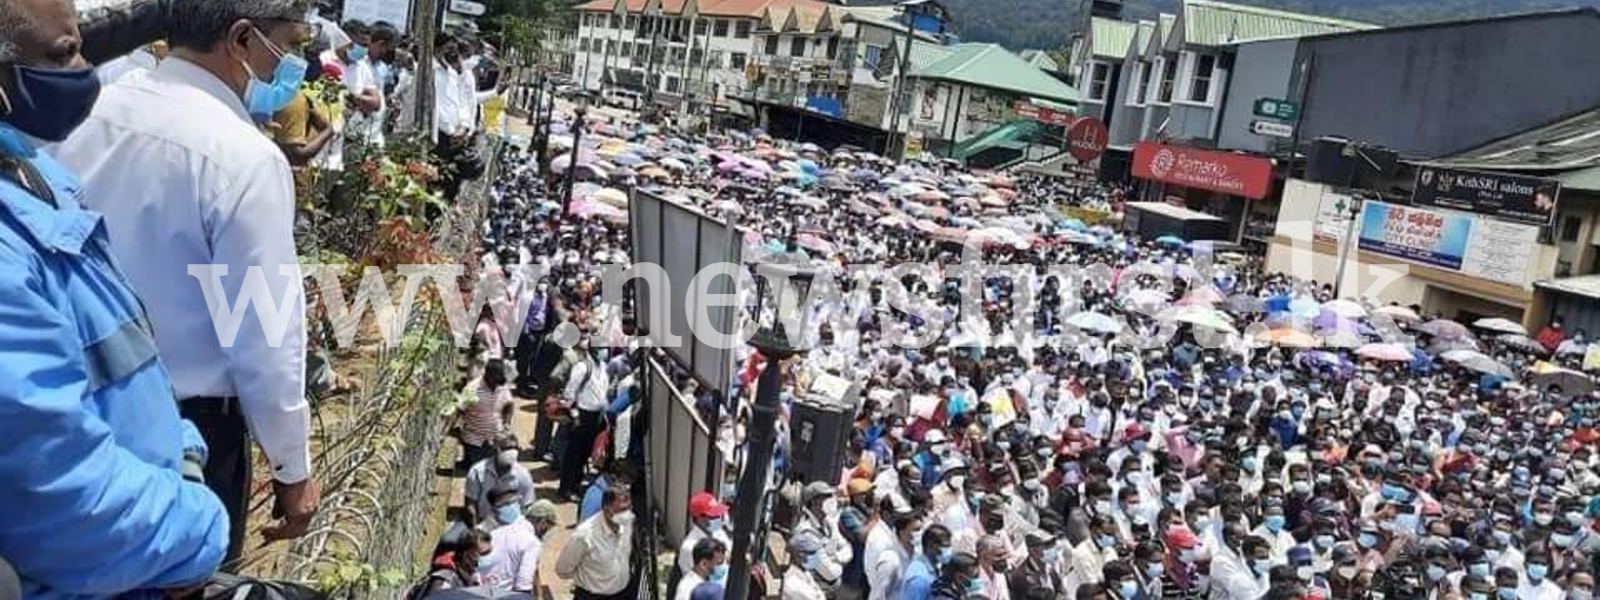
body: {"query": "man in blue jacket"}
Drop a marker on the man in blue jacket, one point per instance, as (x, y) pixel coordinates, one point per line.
(93, 467)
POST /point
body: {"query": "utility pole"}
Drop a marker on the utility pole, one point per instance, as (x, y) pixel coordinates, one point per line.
(422, 26)
(650, 65)
(895, 146)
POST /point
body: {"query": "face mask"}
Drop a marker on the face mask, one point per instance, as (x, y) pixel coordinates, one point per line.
(1275, 523)
(1434, 573)
(719, 573)
(1302, 487)
(507, 514)
(1543, 518)
(1479, 570)
(1506, 593)
(1367, 540)
(713, 525)
(1155, 570)
(1188, 556)
(1347, 571)
(1106, 541)
(945, 554)
(262, 99)
(1575, 518)
(1128, 589)
(1323, 541)
(1261, 566)
(1102, 506)
(1577, 594)
(1175, 500)
(356, 53)
(1561, 540)
(830, 506)
(49, 103)
(1536, 571)
(974, 586)
(1477, 596)
(623, 519)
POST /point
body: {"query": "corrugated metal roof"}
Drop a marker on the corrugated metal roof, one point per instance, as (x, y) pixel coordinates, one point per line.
(1111, 38)
(1040, 59)
(1141, 42)
(884, 21)
(1565, 145)
(1166, 23)
(1212, 23)
(721, 8)
(1586, 285)
(991, 66)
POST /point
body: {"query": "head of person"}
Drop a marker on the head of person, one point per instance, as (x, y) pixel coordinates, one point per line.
(251, 45)
(711, 559)
(1258, 552)
(962, 572)
(494, 374)
(1121, 580)
(616, 505)
(542, 515)
(360, 38)
(472, 545)
(506, 459)
(1580, 585)
(46, 87)
(507, 502)
(707, 512)
(805, 550)
(992, 553)
(382, 41)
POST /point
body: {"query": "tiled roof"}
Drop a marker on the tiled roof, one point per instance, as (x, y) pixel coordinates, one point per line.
(991, 66)
(1212, 23)
(1111, 38)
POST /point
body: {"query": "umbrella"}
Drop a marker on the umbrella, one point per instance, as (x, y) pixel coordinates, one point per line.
(810, 241)
(1346, 308)
(1385, 352)
(1450, 344)
(837, 183)
(1288, 338)
(628, 159)
(1572, 383)
(1521, 343)
(1095, 322)
(729, 206)
(612, 196)
(1324, 358)
(1171, 240)
(1499, 325)
(1398, 313)
(1145, 297)
(673, 163)
(1478, 361)
(1341, 338)
(1202, 316)
(1073, 224)
(1445, 329)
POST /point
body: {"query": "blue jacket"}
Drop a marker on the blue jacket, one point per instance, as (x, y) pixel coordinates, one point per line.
(91, 487)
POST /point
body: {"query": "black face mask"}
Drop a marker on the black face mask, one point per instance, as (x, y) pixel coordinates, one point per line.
(49, 103)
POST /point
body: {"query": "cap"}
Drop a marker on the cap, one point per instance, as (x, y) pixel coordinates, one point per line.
(543, 509)
(857, 487)
(703, 505)
(1135, 431)
(805, 542)
(1182, 538)
(815, 489)
(1040, 539)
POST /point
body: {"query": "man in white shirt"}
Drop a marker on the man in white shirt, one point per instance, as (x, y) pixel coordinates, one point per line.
(141, 60)
(513, 565)
(586, 389)
(179, 152)
(364, 92)
(501, 470)
(596, 555)
(710, 564)
(706, 515)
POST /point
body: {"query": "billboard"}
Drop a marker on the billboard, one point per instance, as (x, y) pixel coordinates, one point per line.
(1491, 249)
(395, 12)
(1530, 200)
(1237, 174)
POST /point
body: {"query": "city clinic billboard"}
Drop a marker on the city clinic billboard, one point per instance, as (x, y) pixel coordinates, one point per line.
(1417, 235)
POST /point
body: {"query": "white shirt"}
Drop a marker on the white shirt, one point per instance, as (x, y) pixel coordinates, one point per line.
(586, 386)
(482, 479)
(359, 78)
(138, 61)
(686, 586)
(514, 562)
(1545, 590)
(596, 556)
(447, 99)
(184, 178)
(686, 549)
(800, 585)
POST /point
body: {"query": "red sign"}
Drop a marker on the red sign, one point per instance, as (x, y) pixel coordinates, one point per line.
(1237, 174)
(1043, 114)
(1087, 138)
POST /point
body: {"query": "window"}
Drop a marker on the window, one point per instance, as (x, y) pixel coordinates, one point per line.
(701, 26)
(772, 44)
(632, 22)
(1569, 229)
(673, 85)
(1169, 73)
(583, 44)
(1204, 69)
(736, 61)
(833, 47)
(797, 46)
(697, 56)
(611, 46)
(721, 28)
(616, 22)
(874, 54)
(742, 30)
(1099, 80)
(627, 48)
(1140, 90)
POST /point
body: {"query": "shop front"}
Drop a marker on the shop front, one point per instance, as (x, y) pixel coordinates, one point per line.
(1221, 184)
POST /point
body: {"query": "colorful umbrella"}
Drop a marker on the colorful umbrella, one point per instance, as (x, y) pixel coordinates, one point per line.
(1499, 325)
(1385, 352)
(1348, 309)
(1202, 316)
(1095, 322)
(1572, 383)
(612, 196)
(1288, 338)
(1172, 240)
(1478, 361)
(1445, 329)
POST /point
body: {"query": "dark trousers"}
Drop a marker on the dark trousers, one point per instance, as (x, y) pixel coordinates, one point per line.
(227, 468)
(578, 448)
(583, 594)
(471, 455)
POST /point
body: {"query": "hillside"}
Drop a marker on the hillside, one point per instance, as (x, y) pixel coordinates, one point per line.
(1020, 24)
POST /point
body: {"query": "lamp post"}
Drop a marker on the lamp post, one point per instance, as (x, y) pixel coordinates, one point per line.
(780, 308)
(572, 166)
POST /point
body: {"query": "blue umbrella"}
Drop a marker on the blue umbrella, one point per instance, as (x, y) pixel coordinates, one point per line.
(1073, 224)
(628, 159)
(1171, 240)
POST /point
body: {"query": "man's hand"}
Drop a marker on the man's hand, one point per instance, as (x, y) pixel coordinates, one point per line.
(295, 504)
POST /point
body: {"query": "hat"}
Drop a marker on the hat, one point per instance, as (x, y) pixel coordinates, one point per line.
(815, 489)
(1135, 431)
(1182, 538)
(856, 487)
(1040, 539)
(1299, 555)
(805, 542)
(933, 436)
(705, 506)
(543, 509)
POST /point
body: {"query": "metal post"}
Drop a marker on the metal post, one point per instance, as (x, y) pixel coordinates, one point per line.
(1302, 86)
(753, 482)
(896, 145)
(1344, 246)
(650, 65)
(572, 166)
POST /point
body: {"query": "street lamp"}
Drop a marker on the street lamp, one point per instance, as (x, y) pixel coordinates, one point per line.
(572, 165)
(781, 291)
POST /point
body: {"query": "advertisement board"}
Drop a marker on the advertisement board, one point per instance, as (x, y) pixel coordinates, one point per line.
(395, 12)
(1237, 174)
(1530, 200)
(1491, 249)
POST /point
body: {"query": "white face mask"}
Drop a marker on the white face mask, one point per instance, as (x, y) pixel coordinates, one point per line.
(623, 519)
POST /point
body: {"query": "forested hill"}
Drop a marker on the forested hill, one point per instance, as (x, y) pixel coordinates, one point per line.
(1021, 24)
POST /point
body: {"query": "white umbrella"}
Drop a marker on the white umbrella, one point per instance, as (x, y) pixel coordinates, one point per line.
(1500, 325)
(1348, 309)
(612, 196)
(1096, 322)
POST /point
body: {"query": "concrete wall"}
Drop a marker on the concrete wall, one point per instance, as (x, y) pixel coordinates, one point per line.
(1435, 91)
(1261, 70)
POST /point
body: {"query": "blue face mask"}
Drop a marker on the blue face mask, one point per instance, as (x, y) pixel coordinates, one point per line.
(1536, 571)
(713, 525)
(49, 103)
(1506, 593)
(1323, 541)
(1367, 540)
(1275, 523)
(507, 514)
(719, 574)
(356, 52)
(1128, 589)
(263, 99)
(945, 555)
(1479, 570)
(974, 586)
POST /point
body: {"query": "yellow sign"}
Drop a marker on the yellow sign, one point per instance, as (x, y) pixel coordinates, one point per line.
(913, 144)
(493, 109)
(1089, 216)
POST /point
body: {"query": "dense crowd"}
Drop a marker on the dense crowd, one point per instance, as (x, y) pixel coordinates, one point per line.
(1038, 447)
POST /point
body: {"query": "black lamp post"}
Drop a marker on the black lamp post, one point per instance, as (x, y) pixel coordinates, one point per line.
(572, 166)
(781, 291)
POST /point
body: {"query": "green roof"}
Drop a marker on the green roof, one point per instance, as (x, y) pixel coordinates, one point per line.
(1167, 23)
(1212, 23)
(1040, 59)
(991, 66)
(1141, 42)
(1110, 37)
(1587, 180)
(924, 54)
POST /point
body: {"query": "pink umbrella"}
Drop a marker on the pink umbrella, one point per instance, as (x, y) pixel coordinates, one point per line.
(925, 225)
(810, 241)
(1385, 352)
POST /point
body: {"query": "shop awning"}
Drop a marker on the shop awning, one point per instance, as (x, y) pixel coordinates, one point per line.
(1587, 286)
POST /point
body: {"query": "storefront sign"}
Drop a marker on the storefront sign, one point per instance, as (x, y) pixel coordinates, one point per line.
(1335, 211)
(1044, 114)
(1530, 200)
(1087, 138)
(1481, 247)
(1237, 174)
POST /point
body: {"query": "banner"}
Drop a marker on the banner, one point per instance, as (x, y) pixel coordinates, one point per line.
(1530, 200)
(1237, 174)
(395, 12)
(1481, 247)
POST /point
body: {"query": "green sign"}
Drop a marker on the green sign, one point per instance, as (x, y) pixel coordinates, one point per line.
(1275, 108)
